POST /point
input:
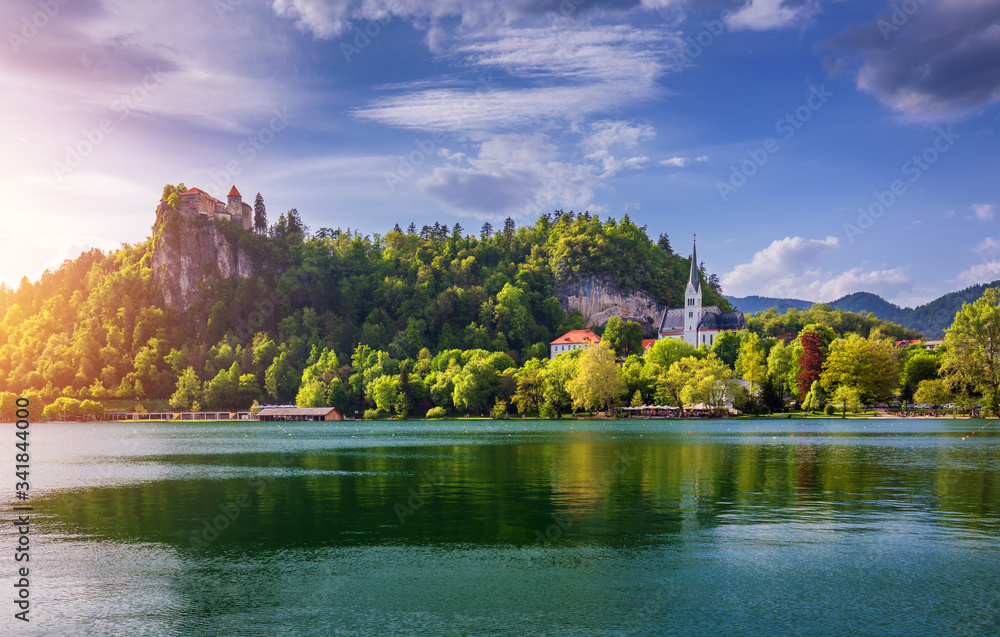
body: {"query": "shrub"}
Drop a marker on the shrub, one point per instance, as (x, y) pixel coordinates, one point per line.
(373, 414)
(548, 410)
(436, 412)
(830, 410)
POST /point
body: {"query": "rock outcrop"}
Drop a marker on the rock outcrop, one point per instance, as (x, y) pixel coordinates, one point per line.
(189, 253)
(598, 301)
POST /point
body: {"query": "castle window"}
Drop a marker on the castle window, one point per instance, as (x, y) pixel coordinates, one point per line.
(690, 314)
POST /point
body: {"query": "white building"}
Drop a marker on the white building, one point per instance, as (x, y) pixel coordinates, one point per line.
(574, 339)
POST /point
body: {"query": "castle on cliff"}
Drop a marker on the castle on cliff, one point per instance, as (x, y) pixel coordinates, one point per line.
(195, 202)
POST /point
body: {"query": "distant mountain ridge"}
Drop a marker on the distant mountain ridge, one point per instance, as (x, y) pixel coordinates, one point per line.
(932, 318)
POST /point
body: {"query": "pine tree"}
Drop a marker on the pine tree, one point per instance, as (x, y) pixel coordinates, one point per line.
(458, 230)
(295, 222)
(664, 243)
(412, 229)
(487, 230)
(259, 215)
(396, 228)
(508, 227)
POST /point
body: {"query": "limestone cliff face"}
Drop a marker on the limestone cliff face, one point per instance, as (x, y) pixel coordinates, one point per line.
(189, 253)
(598, 301)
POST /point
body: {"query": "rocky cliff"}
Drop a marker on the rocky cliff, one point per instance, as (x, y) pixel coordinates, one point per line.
(188, 253)
(598, 301)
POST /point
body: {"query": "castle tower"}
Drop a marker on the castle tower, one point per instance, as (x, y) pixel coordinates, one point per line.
(234, 205)
(692, 300)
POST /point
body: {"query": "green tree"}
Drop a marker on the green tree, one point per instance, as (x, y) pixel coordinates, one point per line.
(933, 392)
(847, 399)
(815, 400)
(666, 351)
(972, 348)
(259, 215)
(727, 347)
(555, 378)
(781, 367)
(384, 393)
(188, 390)
(598, 381)
(625, 337)
(869, 365)
(281, 381)
(751, 362)
(476, 385)
(920, 367)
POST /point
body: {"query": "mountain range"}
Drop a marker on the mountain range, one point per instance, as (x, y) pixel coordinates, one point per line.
(931, 319)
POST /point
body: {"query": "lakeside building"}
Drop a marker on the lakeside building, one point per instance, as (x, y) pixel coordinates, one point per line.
(574, 339)
(281, 414)
(696, 324)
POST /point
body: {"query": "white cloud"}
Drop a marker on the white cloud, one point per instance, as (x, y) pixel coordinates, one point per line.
(676, 162)
(518, 175)
(762, 15)
(594, 69)
(984, 211)
(986, 272)
(989, 245)
(702, 158)
(789, 268)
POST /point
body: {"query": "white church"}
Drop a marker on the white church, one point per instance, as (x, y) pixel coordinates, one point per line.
(696, 324)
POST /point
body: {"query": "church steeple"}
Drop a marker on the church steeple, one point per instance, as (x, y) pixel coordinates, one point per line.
(694, 281)
(692, 300)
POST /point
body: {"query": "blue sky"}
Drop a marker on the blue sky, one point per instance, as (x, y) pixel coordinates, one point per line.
(817, 147)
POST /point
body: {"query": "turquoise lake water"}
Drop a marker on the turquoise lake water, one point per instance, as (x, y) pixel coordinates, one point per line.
(778, 527)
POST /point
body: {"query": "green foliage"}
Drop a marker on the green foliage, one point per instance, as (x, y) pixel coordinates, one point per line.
(867, 365)
(624, 337)
(846, 398)
(933, 392)
(437, 412)
(830, 409)
(972, 349)
(816, 398)
(841, 322)
(598, 381)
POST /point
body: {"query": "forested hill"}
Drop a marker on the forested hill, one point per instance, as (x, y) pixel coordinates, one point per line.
(930, 319)
(100, 325)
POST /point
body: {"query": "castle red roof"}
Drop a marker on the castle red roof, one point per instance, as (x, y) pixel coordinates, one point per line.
(577, 337)
(647, 343)
(233, 192)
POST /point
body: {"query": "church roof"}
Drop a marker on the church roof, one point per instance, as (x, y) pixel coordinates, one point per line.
(233, 192)
(712, 318)
(577, 337)
(672, 321)
(719, 320)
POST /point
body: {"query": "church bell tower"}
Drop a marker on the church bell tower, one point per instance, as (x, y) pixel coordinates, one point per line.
(692, 300)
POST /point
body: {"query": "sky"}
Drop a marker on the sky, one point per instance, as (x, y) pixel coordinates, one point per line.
(816, 147)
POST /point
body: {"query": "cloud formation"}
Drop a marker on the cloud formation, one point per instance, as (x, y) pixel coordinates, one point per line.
(789, 268)
(983, 211)
(935, 60)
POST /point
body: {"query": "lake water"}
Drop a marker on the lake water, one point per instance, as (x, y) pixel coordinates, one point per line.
(775, 527)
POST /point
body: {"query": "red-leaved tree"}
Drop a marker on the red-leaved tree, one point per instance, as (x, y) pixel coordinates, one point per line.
(810, 362)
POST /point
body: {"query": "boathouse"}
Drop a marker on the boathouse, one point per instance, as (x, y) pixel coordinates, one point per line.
(299, 413)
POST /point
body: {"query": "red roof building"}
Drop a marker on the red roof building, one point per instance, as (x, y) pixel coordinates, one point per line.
(574, 339)
(647, 343)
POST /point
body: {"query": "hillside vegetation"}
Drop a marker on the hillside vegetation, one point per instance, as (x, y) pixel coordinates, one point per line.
(98, 326)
